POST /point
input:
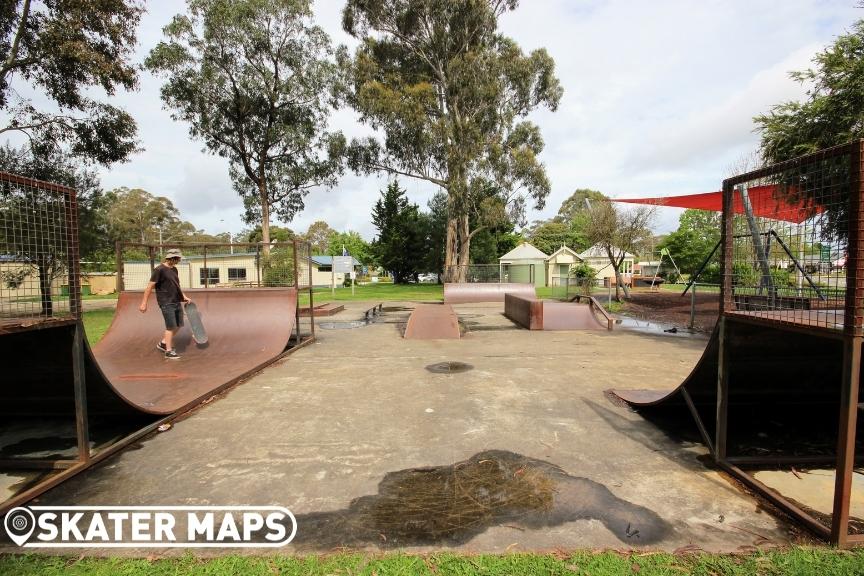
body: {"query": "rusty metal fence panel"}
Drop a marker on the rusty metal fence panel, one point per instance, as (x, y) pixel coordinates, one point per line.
(791, 267)
(39, 268)
(792, 258)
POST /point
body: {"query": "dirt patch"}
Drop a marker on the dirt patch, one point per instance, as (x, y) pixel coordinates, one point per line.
(672, 308)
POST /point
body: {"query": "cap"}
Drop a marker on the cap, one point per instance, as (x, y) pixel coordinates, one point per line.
(173, 253)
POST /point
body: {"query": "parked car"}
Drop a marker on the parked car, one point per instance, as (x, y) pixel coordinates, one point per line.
(428, 278)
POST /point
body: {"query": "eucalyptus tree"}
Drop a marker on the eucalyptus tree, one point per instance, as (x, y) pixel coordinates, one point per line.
(450, 94)
(253, 78)
(62, 50)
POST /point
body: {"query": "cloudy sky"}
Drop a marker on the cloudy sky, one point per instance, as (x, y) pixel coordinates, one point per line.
(658, 99)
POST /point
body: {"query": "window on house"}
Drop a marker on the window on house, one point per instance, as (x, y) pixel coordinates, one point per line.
(325, 268)
(236, 274)
(209, 275)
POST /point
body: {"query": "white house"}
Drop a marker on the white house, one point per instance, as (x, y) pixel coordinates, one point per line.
(597, 258)
(559, 265)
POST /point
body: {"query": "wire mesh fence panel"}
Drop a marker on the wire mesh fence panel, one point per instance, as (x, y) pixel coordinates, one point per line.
(229, 265)
(305, 300)
(39, 274)
(494, 273)
(790, 232)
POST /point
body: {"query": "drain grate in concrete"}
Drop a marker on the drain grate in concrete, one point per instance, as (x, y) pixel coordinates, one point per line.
(449, 367)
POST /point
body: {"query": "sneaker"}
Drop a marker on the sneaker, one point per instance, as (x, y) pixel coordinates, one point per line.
(161, 346)
(172, 355)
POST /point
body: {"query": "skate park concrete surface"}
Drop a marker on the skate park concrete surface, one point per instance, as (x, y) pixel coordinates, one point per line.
(371, 449)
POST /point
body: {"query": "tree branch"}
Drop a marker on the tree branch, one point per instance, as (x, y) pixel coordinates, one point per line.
(13, 51)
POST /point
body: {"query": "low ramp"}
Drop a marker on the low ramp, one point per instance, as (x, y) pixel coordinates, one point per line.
(572, 316)
(432, 322)
(784, 391)
(126, 375)
(475, 292)
(535, 314)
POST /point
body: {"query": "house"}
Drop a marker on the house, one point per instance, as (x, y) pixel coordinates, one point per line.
(200, 271)
(597, 258)
(236, 270)
(525, 264)
(559, 265)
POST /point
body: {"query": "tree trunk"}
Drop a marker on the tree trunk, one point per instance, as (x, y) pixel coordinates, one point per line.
(464, 246)
(451, 252)
(45, 287)
(616, 266)
(265, 216)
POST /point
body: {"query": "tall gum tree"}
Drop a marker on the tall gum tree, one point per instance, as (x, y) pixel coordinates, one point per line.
(254, 79)
(450, 95)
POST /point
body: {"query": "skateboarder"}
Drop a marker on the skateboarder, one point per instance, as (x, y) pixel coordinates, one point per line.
(169, 295)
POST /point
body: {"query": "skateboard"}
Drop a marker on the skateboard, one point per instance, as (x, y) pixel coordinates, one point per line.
(195, 324)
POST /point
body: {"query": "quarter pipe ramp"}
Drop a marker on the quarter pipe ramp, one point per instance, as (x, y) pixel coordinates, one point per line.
(784, 392)
(125, 373)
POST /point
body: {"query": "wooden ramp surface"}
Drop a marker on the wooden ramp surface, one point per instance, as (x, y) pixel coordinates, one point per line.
(126, 374)
(474, 292)
(432, 322)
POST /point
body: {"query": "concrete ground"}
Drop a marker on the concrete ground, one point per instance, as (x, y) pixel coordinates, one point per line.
(522, 451)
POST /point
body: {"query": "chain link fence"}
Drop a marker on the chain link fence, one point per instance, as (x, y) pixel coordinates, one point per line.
(495, 273)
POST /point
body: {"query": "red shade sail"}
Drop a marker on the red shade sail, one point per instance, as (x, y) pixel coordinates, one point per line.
(766, 202)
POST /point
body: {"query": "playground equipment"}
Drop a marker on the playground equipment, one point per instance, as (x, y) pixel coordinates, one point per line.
(535, 314)
(779, 383)
(432, 322)
(66, 407)
(471, 292)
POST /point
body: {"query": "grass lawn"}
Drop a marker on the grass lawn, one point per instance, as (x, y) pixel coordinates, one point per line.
(379, 292)
(96, 322)
(799, 561)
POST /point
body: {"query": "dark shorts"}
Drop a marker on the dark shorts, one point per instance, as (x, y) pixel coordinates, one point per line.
(173, 315)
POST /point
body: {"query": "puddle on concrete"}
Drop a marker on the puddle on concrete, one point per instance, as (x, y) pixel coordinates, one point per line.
(450, 505)
(646, 327)
(449, 367)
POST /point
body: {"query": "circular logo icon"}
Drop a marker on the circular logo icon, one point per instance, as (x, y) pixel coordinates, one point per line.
(19, 524)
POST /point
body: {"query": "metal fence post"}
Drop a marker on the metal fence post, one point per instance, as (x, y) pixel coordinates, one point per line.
(692, 307)
(296, 289)
(258, 264)
(118, 266)
(307, 251)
